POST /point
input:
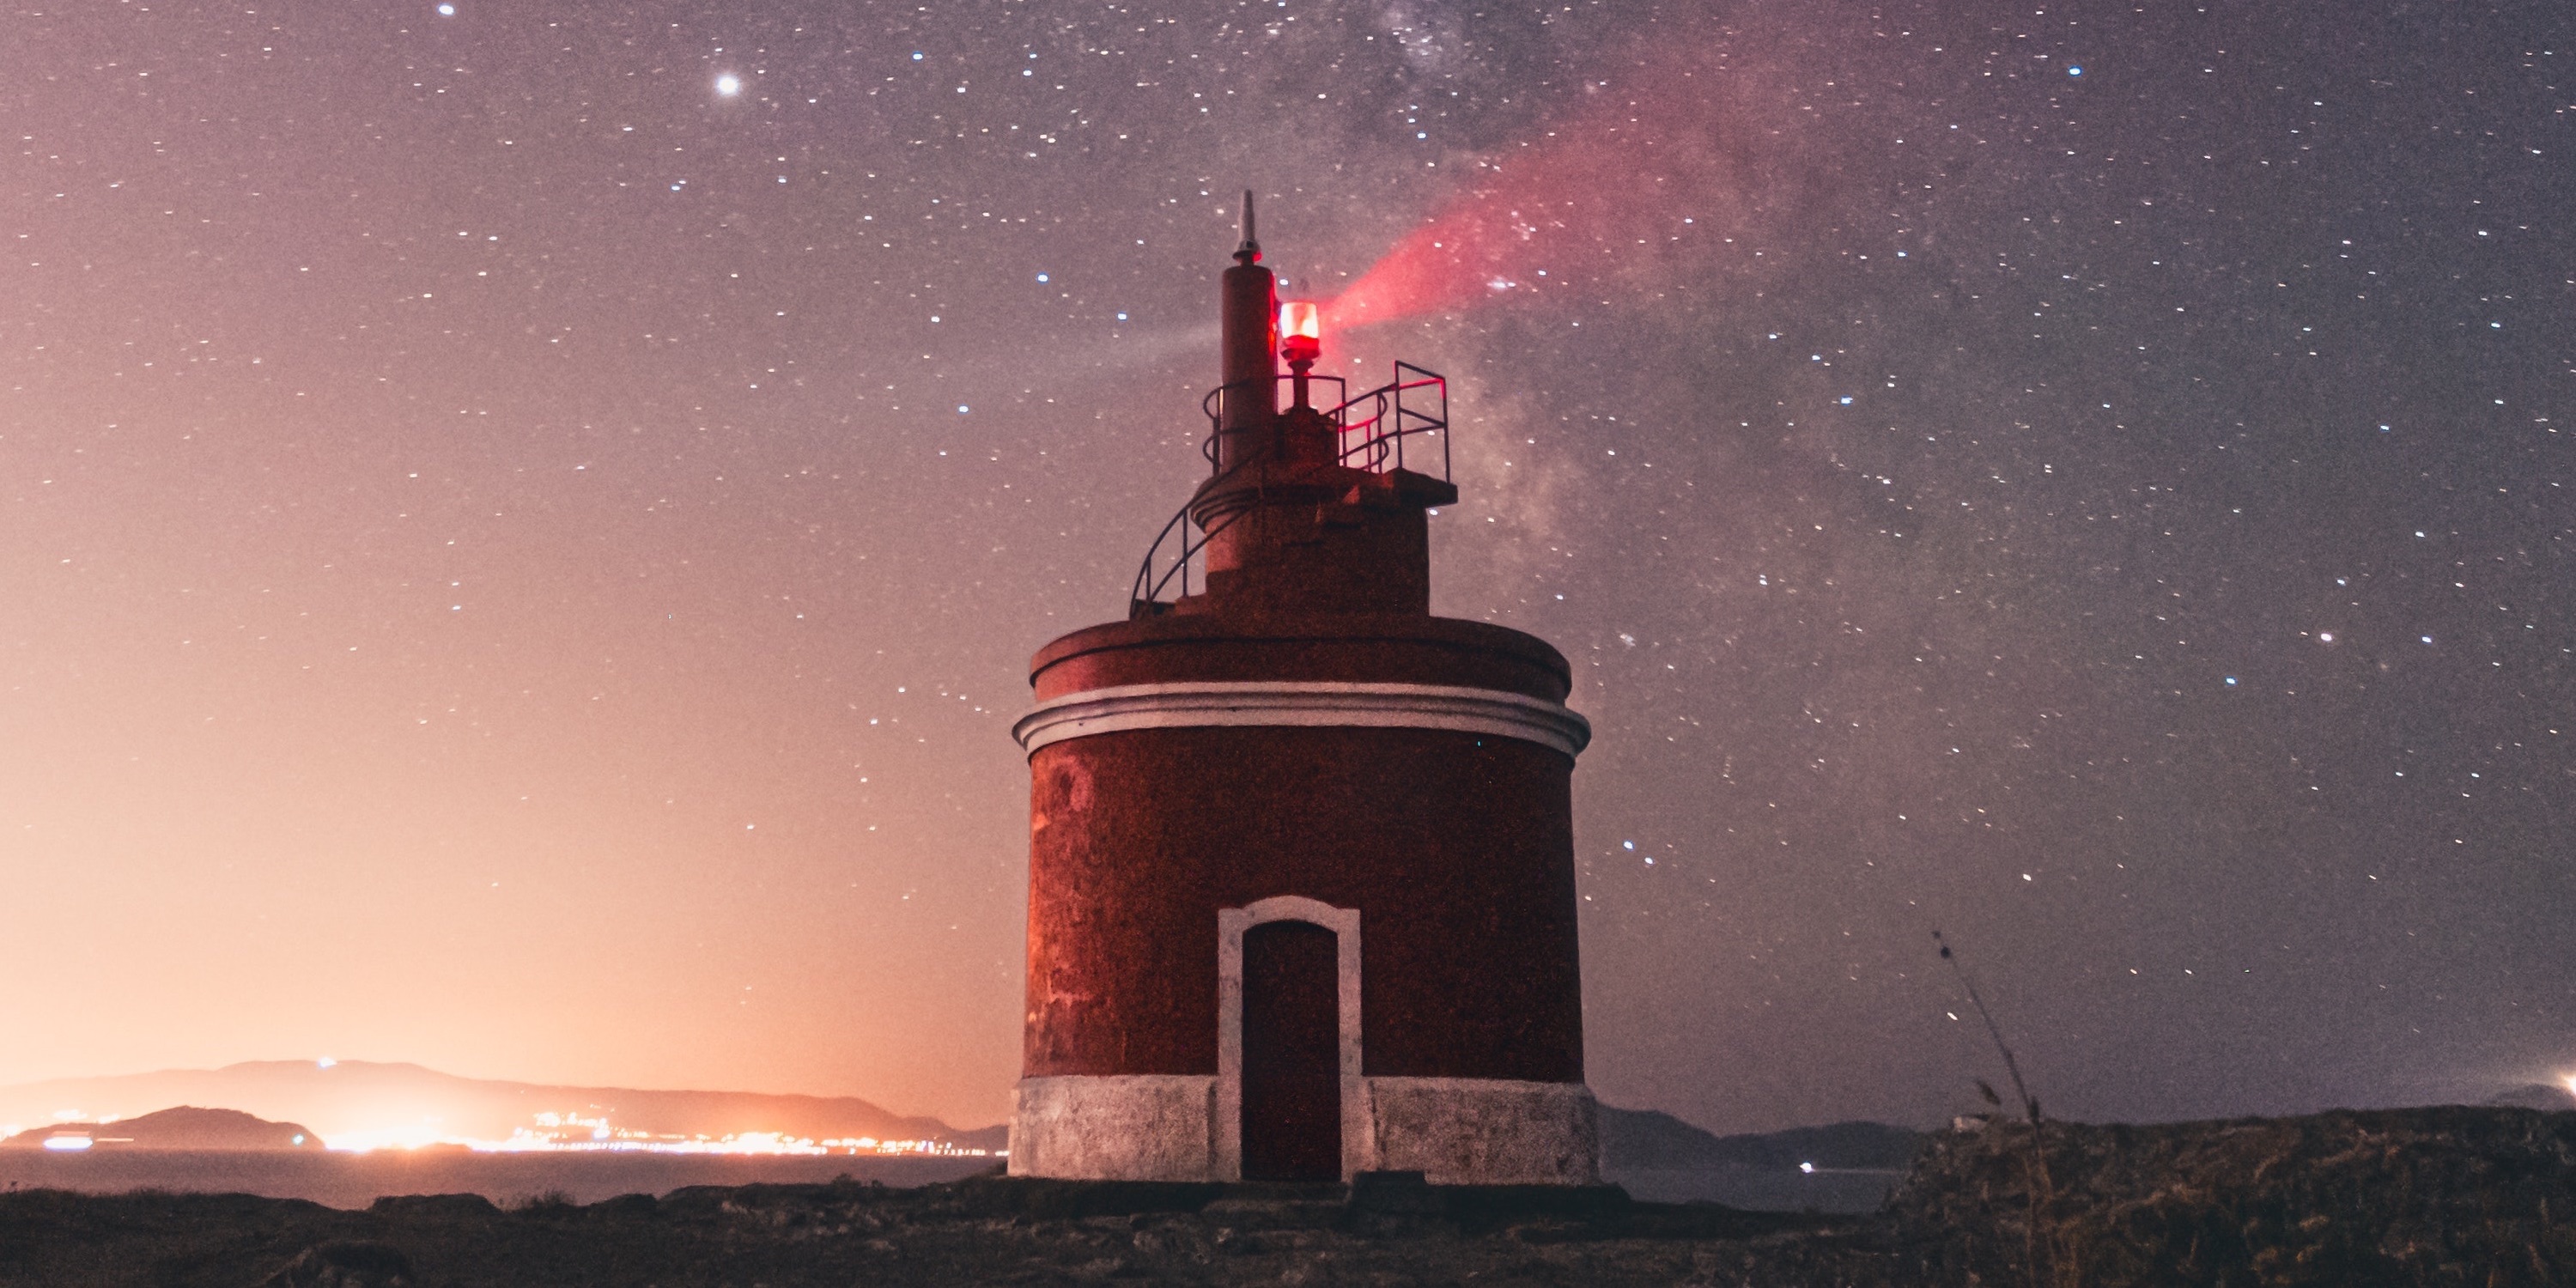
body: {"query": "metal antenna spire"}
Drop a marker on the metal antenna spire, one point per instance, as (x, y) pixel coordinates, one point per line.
(1250, 251)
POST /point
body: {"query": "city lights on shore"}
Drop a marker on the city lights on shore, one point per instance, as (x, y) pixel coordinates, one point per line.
(552, 1133)
(573, 1133)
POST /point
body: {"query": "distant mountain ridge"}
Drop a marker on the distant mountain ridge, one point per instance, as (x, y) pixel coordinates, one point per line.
(352, 1097)
(1651, 1140)
(1844, 1167)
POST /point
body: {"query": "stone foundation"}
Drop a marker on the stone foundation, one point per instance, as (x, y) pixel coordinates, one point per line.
(1487, 1131)
(1455, 1131)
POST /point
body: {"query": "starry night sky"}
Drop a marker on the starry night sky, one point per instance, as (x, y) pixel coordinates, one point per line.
(518, 559)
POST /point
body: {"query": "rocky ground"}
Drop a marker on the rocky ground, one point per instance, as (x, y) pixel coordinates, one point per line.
(2476, 1197)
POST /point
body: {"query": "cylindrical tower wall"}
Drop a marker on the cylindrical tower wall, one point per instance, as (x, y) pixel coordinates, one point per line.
(1455, 848)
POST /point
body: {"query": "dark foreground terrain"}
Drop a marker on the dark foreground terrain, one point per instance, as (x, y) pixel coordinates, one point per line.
(2474, 1197)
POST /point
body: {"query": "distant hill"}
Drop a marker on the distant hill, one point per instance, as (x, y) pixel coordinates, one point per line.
(185, 1127)
(1845, 1167)
(357, 1096)
(1650, 1140)
(2537, 1095)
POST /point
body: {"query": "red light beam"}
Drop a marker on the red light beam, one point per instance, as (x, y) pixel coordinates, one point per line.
(1606, 194)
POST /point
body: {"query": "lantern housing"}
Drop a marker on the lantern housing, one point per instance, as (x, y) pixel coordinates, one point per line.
(1301, 331)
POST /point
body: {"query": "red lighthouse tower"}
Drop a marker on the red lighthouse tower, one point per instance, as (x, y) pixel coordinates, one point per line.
(1301, 869)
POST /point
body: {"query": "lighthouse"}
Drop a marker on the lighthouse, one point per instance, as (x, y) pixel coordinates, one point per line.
(1301, 858)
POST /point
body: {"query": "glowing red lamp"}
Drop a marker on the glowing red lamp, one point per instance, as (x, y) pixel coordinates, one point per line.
(1301, 332)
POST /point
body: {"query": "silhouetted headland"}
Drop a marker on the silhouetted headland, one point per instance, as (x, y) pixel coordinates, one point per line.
(184, 1127)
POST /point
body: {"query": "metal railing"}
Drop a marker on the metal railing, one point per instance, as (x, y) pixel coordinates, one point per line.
(1213, 406)
(1377, 442)
(1390, 423)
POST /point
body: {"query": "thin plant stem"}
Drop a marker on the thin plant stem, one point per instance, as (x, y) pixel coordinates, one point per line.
(2043, 1191)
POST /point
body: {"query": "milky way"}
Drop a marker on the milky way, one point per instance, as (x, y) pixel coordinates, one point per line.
(524, 525)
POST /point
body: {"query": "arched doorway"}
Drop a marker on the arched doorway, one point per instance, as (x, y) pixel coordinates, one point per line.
(1292, 1080)
(1288, 1019)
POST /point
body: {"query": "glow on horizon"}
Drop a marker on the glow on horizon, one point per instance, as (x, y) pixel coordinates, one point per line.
(575, 1134)
(763, 1143)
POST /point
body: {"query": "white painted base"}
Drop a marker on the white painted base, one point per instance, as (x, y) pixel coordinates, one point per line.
(1487, 1131)
(1456, 1131)
(1139, 1127)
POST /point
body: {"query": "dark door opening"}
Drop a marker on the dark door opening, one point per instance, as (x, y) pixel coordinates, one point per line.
(1292, 1036)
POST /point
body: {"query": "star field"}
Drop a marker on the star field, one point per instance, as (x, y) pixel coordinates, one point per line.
(524, 523)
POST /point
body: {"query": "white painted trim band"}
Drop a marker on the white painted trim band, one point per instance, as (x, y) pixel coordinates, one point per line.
(1307, 703)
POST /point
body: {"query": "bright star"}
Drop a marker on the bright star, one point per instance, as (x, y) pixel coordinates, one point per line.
(2074, 71)
(447, 11)
(728, 84)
